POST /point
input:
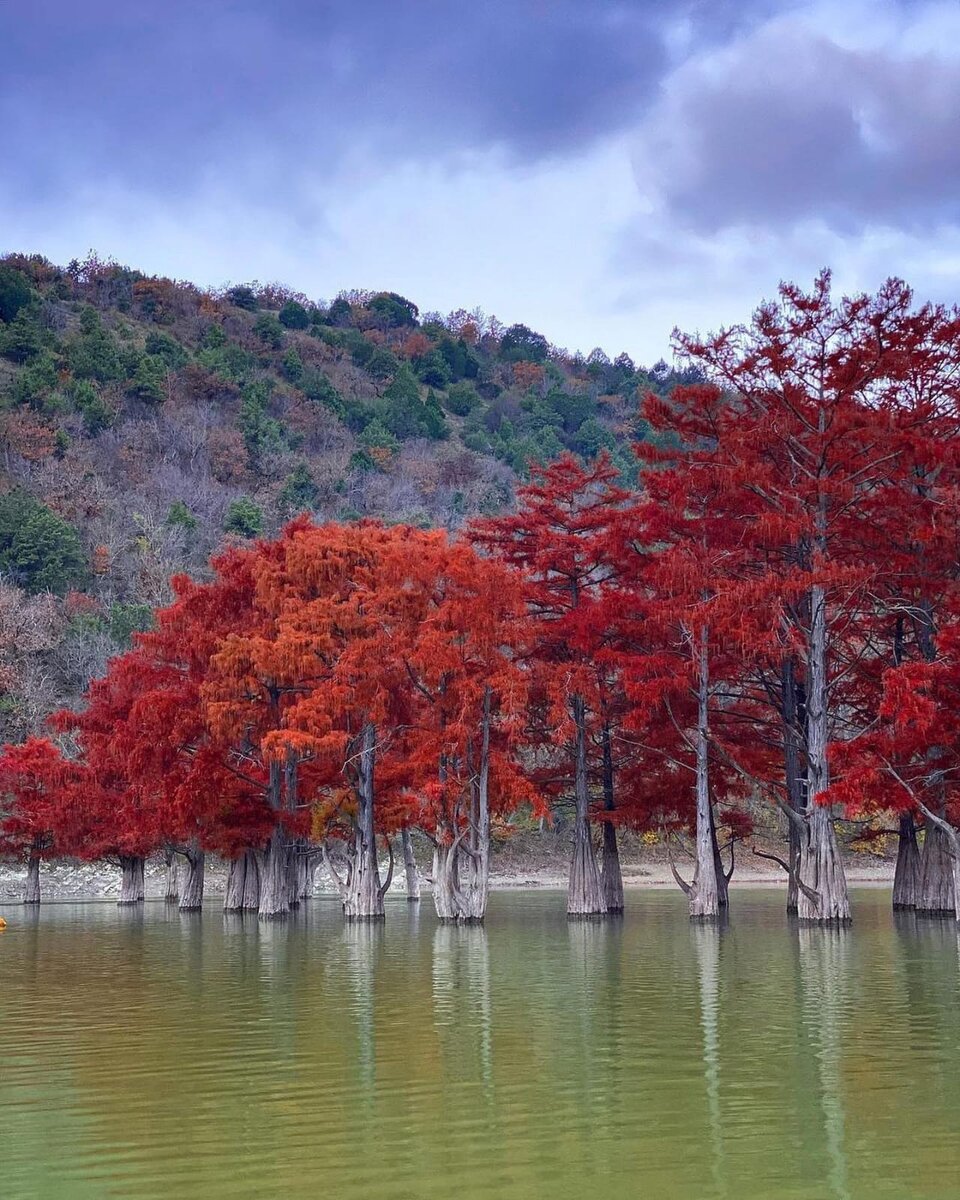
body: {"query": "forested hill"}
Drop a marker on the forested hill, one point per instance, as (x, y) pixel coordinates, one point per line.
(144, 421)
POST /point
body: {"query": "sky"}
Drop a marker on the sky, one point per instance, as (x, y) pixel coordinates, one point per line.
(602, 171)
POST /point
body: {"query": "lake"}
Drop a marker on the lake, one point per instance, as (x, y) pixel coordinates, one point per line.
(154, 1054)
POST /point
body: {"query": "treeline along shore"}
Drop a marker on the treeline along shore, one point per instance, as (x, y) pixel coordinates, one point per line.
(764, 609)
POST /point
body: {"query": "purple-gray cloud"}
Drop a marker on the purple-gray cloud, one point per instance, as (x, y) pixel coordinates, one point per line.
(791, 126)
(156, 94)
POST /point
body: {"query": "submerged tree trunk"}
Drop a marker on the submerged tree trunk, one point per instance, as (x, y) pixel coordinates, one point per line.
(585, 890)
(793, 775)
(906, 878)
(243, 883)
(171, 889)
(274, 875)
(937, 896)
(410, 865)
(364, 896)
(704, 893)
(723, 875)
(823, 884)
(447, 898)
(131, 879)
(191, 882)
(461, 860)
(31, 885)
(310, 858)
(612, 876)
(950, 852)
(476, 885)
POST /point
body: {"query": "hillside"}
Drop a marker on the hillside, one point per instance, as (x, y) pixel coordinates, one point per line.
(143, 421)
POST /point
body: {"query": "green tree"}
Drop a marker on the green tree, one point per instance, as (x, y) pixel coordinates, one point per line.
(243, 296)
(299, 493)
(316, 386)
(127, 619)
(376, 436)
(522, 344)
(15, 293)
(244, 517)
(433, 370)
(21, 340)
(36, 384)
(166, 348)
(38, 549)
(461, 399)
(180, 515)
(293, 315)
(269, 330)
(393, 311)
(91, 406)
(262, 433)
(149, 378)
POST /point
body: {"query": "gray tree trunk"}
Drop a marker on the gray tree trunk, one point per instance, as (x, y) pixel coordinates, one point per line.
(447, 897)
(274, 875)
(585, 890)
(704, 895)
(937, 895)
(233, 892)
(191, 882)
(823, 884)
(131, 879)
(251, 881)
(951, 842)
(477, 881)
(243, 883)
(906, 877)
(611, 874)
(171, 890)
(410, 865)
(294, 874)
(311, 858)
(723, 890)
(31, 886)
(793, 774)
(364, 897)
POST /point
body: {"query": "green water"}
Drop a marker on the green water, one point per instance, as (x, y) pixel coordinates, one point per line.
(158, 1055)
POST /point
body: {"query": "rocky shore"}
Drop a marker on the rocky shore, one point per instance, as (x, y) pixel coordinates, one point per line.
(71, 880)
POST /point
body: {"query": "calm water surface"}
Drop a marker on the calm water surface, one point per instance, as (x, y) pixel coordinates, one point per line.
(158, 1055)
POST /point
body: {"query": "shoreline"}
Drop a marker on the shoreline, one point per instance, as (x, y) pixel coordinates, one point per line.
(100, 882)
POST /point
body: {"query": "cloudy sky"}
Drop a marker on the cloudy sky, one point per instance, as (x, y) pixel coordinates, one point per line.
(600, 169)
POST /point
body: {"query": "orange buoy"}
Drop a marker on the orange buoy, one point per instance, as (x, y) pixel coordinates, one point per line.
(3, 923)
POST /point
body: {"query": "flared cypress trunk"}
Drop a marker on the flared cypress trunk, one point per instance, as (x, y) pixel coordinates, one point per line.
(585, 890)
(410, 866)
(611, 874)
(191, 880)
(906, 877)
(31, 885)
(447, 897)
(937, 896)
(243, 883)
(131, 879)
(274, 874)
(171, 887)
(704, 895)
(823, 883)
(364, 896)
